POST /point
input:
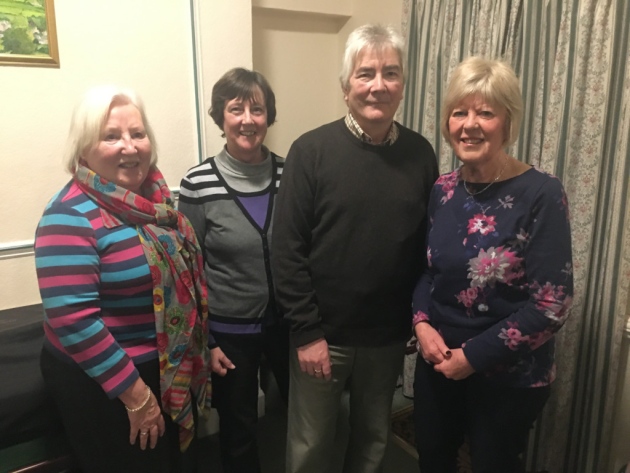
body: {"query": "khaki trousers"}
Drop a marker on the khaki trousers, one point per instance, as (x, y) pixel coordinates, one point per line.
(370, 374)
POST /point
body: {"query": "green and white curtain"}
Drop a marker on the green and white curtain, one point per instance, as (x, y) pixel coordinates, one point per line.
(573, 61)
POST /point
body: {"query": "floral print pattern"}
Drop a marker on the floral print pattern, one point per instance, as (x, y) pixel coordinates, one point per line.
(492, 266)
(499, 280)
(482, 224)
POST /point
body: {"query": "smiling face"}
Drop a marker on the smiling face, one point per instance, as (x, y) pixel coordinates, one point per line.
(245, 127)
(478, 131)
(122, 154)
(375, 89)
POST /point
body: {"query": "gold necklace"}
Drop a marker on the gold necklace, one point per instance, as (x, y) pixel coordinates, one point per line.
(472, 194)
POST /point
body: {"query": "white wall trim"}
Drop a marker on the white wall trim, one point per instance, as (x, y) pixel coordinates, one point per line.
(198, 78)
(16, 249)
(16, 245)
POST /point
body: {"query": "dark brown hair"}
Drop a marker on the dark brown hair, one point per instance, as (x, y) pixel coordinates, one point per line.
(242, 84)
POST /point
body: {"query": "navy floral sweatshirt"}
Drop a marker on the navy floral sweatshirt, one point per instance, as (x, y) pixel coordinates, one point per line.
(499, 282)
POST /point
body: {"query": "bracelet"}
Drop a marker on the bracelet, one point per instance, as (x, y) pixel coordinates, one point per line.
(136, 409)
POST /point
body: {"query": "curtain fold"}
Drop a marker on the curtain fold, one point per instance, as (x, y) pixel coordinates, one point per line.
(573, 61)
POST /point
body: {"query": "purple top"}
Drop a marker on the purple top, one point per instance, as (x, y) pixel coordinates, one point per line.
(499, 281)
(256, 206)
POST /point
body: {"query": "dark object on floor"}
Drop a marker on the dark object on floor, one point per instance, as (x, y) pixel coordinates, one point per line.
(46, 454)
(31, 435)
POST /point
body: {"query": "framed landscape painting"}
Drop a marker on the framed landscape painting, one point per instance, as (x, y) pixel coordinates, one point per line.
(28, 36)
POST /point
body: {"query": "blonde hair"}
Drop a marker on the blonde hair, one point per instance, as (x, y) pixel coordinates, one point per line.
(495, 81)
(89, 116)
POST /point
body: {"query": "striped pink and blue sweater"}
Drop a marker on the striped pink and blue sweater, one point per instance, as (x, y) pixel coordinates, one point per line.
(96, 289)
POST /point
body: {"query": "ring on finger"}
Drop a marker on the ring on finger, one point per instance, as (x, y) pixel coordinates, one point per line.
(317, 371)
(144, 433)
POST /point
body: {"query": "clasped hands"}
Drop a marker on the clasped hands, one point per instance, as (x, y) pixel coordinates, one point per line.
(452, 363)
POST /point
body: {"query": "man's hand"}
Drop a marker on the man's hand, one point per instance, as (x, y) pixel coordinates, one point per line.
(314, 359)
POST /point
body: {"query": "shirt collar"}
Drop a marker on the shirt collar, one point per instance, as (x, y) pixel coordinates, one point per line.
(357, 131)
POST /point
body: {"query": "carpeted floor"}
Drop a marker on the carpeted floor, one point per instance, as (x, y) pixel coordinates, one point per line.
(403, 430)
(404, 434)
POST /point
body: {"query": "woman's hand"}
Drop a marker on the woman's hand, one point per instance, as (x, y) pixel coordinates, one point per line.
(431, 344)
(145, 418)
(456, 366)
(147, 423)
(219, 363)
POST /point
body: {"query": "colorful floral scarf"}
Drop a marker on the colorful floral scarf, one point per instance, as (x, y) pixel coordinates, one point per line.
(179, 288)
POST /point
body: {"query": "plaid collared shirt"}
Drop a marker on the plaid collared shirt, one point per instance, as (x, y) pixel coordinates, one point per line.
(356, 130)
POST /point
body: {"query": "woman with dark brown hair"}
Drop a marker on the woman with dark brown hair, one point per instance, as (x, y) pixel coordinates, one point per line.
(229, 199)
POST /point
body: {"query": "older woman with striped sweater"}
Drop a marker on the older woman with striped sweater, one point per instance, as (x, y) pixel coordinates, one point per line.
(121, 278)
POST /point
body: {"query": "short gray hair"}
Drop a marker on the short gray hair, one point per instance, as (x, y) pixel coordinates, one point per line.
(493, 80)
(90, 115)
(369, 36)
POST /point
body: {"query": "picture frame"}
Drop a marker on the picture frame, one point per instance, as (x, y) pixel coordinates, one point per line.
(28, 28)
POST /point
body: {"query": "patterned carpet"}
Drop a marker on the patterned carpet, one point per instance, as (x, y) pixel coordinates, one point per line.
(404, 435)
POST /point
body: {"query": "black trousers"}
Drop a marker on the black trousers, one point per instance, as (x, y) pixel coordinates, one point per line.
(98, 428)
(235, 395)
(495, 419)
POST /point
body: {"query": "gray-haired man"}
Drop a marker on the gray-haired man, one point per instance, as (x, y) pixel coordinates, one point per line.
(348, 247)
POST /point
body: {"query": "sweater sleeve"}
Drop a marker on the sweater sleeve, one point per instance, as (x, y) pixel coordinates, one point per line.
(68, 272)
(291, 245)
(548, 271)
(192, 207)
(422, 291)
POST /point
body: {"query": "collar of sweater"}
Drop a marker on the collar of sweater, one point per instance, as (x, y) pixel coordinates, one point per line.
(245, 177)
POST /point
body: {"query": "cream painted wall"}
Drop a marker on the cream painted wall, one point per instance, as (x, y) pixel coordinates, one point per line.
(327, 7)
(224, 41)
(143, 44)
(297, 52)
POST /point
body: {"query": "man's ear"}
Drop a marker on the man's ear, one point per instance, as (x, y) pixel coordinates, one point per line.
(344, 90)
